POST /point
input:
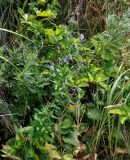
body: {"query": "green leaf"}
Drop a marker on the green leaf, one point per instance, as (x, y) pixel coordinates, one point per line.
(71, 139)
(67, 123)
(96, 45)
(83, 127)
(107, 54)
(56, 3)
(119, 111)
(91, 79)
(59, 29)
(82, 82)
(42, 1)
(49, 32)
(46, 73)
(47, 13)
(88, 60)
(100, 77)
(123, 119)
(24, 129)
(93, 114)
(104, 85)
(68, 157)
(20, 11)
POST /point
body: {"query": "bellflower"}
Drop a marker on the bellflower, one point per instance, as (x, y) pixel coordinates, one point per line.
(81, 37)
(65, 60)
(51, 68)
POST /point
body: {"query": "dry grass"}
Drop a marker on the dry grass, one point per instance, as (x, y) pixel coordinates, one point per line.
(91, 14)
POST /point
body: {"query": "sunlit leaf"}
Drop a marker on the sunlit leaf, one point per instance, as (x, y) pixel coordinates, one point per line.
(47, 13)
(118, 111)
(41, 1)
(82, 82)
(91, 78)
(123, 119)
(68, 157)
(53, 154)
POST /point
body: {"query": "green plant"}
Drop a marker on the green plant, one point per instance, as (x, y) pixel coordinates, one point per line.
(59, 84)
(30, 141)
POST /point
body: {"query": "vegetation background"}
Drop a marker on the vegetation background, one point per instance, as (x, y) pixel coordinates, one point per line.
(65, 79)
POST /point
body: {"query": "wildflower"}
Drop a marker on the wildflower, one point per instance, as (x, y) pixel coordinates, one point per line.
(78, 89)
(65, 60)
(81, 37)
(71, 61)
(51, 68)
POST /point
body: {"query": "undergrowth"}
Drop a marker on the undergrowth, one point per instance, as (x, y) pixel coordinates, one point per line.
(63, 96)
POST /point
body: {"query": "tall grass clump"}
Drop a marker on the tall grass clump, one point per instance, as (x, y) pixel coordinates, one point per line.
(89, 17)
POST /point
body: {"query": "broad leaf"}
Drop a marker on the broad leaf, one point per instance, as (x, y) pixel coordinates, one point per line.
(93, 114)
(47, 13)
